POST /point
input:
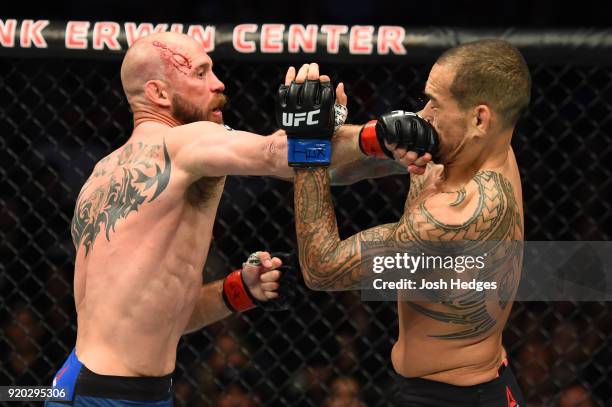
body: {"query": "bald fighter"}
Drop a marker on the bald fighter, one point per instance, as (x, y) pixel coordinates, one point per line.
(142, 227)
(449, 352)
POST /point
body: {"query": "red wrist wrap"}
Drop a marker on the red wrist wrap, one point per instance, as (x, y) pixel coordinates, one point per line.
(235, 293)
(368, 141)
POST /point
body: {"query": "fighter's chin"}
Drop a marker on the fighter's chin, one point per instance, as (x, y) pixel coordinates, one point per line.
(440, 159)
(216, 116)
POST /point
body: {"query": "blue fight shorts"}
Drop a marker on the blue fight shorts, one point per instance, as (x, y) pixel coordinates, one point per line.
(82, 387)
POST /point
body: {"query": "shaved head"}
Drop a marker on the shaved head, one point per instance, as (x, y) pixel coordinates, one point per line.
(150, 58)
(172, 71)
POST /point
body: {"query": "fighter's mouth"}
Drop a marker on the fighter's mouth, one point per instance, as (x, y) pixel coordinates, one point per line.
(218, 107)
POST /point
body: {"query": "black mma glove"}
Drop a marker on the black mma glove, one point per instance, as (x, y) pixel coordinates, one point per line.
(306, 112)
(238, 297)
(405, 129)
(287, 284)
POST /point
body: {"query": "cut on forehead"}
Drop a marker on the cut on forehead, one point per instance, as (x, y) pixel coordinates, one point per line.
(149, 57)
(152, 45)
(170, 38)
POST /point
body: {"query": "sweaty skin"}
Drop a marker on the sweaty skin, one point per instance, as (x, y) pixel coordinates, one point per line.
(476, 196)
(143, 220)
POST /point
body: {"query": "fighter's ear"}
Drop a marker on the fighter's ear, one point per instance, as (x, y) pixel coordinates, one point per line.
(157, 92)
(481, 118)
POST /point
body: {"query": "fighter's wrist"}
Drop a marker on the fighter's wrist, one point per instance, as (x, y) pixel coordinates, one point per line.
(369, 141)
(308, 152)
(236, 294)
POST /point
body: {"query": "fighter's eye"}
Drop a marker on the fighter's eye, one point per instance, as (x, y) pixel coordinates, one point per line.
(201, 74)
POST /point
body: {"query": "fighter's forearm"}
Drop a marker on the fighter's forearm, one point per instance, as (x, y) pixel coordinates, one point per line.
(209, 307)
(345, 148)
(326, 262)
(345, 145)
(315, 224)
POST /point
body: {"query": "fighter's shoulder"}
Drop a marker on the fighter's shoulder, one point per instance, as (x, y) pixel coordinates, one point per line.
(196, 130)
(106, 162)
(473, 208)
(187, 139)
(196, 146)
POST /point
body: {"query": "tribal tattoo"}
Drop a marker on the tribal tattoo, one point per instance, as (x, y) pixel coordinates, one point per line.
(331, 264)
(133, 172)
(327, 262)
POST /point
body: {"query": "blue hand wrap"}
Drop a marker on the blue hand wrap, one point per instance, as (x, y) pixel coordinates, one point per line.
(308, 152)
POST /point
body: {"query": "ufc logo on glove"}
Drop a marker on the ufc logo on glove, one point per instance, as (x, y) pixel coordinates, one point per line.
(306, 112)
(294, 119)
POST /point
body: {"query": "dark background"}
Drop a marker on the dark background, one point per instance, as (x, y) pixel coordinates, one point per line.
(59, 116)
(465, 13)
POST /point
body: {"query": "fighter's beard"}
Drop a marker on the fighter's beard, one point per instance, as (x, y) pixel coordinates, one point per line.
(186, 112)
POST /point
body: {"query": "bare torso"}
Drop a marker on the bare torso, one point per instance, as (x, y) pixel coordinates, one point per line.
(463, 358)
(142, 229)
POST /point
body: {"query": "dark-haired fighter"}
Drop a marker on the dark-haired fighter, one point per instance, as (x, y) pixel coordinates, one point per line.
(449, 352)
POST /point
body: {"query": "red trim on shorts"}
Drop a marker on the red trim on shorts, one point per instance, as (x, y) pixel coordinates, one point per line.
(61, 372)
(504, 363)
(510, 398)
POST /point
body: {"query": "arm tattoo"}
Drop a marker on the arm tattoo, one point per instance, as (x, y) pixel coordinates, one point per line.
(327, 262)
(129, 177)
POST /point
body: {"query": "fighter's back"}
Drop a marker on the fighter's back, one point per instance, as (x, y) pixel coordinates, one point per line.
(142, 229)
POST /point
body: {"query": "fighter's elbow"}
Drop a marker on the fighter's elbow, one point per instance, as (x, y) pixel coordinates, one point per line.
(312, 283)
(316, 276)
(307, 271)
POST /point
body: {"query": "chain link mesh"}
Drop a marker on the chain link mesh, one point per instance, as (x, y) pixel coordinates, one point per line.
(58, 117)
